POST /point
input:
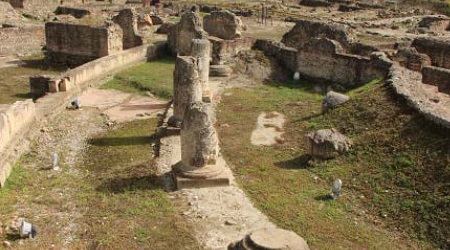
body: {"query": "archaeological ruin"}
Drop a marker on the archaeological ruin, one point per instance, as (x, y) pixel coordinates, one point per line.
(265, 104)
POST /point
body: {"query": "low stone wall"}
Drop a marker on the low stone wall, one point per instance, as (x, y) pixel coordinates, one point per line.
(438, 50)
(27, 39)
(103, 66)
(20, 121)
(325, 59)
(411, 59)
(224, 50)
(436, 76)
(286, 56)
(407, 84)
(15, 120)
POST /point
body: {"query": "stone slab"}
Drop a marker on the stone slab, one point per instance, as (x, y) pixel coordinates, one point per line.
(222, 179)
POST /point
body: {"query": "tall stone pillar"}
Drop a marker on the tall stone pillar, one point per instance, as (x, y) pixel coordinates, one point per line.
(186, 85)
(199, 165)
(201, 49)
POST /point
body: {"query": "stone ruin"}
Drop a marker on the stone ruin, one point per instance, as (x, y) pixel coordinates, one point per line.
(223, 24)
(226, 41)
(73, 42)
(180, 35)
(199, 165)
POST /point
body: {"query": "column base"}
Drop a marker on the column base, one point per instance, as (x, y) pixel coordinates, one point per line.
(208, 176)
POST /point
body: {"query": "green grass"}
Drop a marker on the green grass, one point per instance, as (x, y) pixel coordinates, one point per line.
(14, 81)
(399, 166)
(114, 199)
(155, 77)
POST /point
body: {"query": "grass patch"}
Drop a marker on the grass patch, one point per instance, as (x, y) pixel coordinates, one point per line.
(14, 81)
(155, 77)
(399, 167)
(112, 201)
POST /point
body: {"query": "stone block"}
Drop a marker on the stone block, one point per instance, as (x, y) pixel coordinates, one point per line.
(223, 24)
(327, 143)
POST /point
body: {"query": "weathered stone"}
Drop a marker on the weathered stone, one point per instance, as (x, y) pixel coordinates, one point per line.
(224, 51)
(165, 28)
(435, 23)
(186, 84)
(199, 142)
(327, 143)
(223, 24)
(7, 11)
(411, 59)
(201, 49)
(220, 70)
(180, 36)
(333, 99)
(267, 239)
(437, 49)
(439, 77)
(127, 20)
(305, 30)
(74, 44)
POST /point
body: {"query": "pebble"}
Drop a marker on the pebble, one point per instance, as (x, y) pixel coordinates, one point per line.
(6, 243)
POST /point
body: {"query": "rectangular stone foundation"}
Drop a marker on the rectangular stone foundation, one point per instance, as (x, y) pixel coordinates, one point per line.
(221, 180)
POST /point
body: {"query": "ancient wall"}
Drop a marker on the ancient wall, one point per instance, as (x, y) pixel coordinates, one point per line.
(411, 59)
(286, 56)
(15, 120)
(127, 20)
(437, 50)
(27, 39)
(106, 65)
(304, 30)
(75, 44)
(439, 77)
(22, 119)
(325, 59)
(224, 50)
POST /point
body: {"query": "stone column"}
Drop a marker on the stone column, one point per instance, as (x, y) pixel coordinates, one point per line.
(186, 85)
(199, 142)
(201, 49)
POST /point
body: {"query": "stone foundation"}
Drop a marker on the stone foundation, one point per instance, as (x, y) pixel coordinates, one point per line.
(223, 51)
(438, 50)
(439, 77)
(286, 56)
(73, 44)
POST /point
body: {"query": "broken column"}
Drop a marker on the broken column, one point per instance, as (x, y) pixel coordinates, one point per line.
(186, 85)
(201, 49)
(199, 165)
(180, 36)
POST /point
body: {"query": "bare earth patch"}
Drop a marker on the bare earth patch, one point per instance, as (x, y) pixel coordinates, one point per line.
(269, 129)
(120, 106)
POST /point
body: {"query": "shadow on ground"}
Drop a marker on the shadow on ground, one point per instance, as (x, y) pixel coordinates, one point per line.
(301, 162)
(129, 184)
(121, 141)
